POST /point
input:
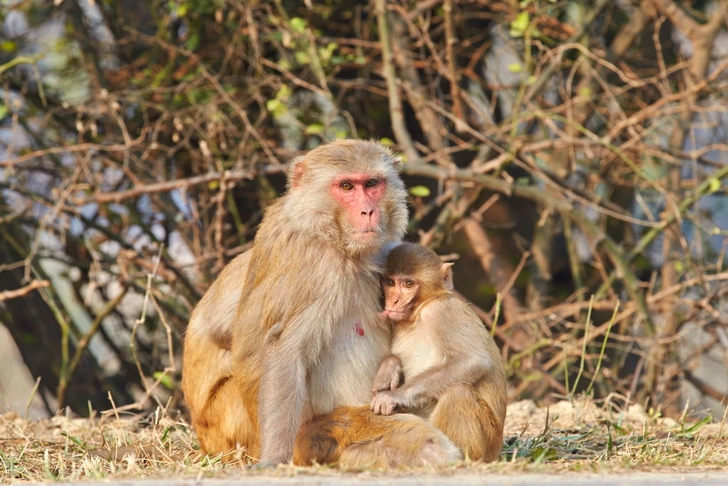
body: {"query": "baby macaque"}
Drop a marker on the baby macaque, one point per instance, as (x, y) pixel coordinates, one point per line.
(453, 373)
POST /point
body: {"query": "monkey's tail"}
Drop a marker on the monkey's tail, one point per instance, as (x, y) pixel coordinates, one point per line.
(356, 438)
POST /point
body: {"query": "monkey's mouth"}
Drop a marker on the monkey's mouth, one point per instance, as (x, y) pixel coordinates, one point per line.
(393, 314)
(366, 234)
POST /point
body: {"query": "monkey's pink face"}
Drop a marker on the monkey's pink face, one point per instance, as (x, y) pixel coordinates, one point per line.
(360, 196)
(400, 295)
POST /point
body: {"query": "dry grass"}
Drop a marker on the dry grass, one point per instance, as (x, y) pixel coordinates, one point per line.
(578, 435)
(568, 436)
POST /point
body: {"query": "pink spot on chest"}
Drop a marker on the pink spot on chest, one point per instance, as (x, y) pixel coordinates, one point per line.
(359, 329)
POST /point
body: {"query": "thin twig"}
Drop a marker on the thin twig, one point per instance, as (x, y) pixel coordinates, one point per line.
(93, 328)
(185, 183)
(23, 291)
(450, 41)
(395, 102)
(82, 147)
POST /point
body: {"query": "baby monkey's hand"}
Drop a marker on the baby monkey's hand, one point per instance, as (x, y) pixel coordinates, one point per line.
(385, 402)
(389, 375)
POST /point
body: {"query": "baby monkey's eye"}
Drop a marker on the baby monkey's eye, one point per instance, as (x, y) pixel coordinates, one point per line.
(390, 282)
(409, 284)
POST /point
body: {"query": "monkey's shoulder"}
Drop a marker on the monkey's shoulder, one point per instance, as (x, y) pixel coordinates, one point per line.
(295, 256)
(446, 309)
(457, 326)
(215, 312)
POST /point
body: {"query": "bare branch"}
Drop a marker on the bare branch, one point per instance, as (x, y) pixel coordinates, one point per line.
(23, 291)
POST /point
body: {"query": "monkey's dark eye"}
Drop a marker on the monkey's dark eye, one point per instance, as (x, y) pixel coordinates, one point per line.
(390, 282)
(409, 284)
(372, 182)
(346, 186)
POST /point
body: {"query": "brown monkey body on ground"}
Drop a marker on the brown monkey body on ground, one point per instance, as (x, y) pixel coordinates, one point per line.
(289, 333)
(453, 372)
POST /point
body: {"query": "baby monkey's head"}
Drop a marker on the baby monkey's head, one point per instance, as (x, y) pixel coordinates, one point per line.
(413, 274)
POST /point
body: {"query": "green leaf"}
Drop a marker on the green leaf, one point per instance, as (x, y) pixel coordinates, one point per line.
(166, 380)
(326, 54)
(284, 93)
(714, 183)
(314, 129)
(515, 67)
(541, 454)
(3, 112)
(298, 25)
(697, 425)
(275, 107)
(302, 57)
(519, 25)
(419, 191)
(273, 104)
(165, 435)
(8, 46)
(193, 42)
(79, 442)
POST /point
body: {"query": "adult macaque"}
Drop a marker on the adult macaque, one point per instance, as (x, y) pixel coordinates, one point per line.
(453, 372)
(290, 332)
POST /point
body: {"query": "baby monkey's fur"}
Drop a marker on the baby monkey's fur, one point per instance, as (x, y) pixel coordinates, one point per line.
(453, 371)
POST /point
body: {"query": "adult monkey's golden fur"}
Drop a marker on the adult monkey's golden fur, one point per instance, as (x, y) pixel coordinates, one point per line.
(453, 372)
(289, 333)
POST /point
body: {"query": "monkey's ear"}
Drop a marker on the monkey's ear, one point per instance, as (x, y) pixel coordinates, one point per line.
(446, 270)
(397, 161)
(295, 174)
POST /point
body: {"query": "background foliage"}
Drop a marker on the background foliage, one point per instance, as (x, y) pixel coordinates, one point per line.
(570, 155)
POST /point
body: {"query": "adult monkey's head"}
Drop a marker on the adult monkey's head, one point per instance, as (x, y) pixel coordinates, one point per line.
(350, 194)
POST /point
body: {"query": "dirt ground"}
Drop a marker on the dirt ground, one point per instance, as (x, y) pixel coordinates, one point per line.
(571, 439)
